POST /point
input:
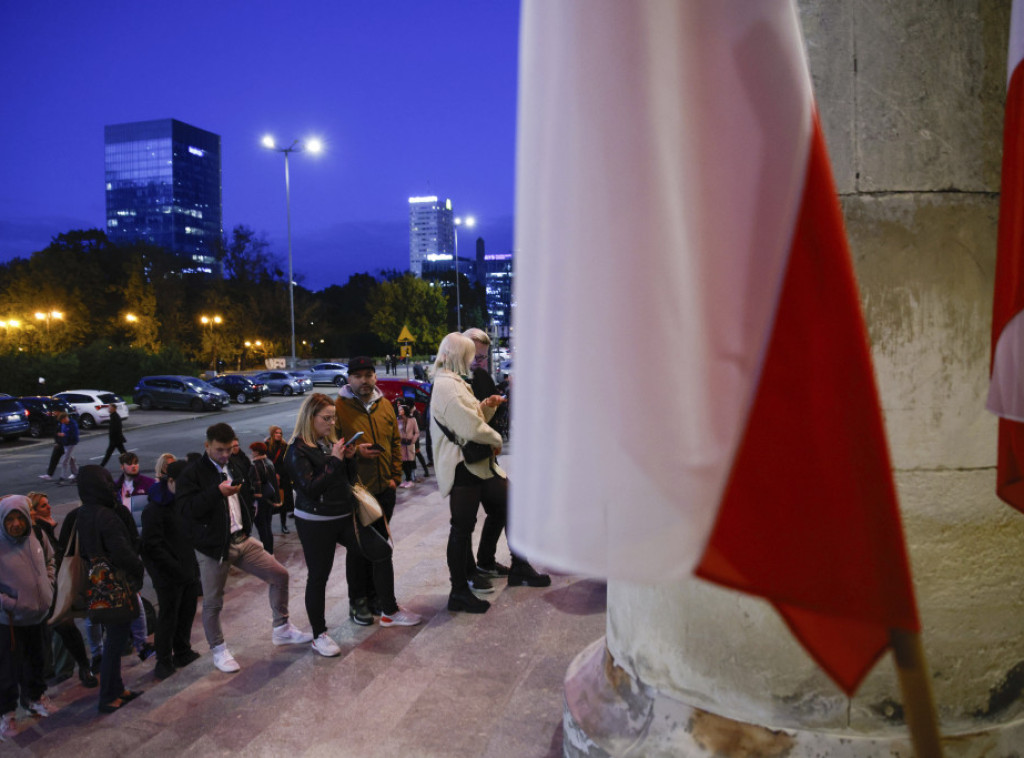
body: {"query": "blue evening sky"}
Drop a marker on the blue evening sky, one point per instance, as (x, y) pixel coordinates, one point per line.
(411, 97)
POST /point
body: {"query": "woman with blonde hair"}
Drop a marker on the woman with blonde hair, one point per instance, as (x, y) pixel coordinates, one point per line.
(458, 418)
(323, 470)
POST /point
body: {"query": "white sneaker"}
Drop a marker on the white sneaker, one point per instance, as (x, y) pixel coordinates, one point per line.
(47, 477)
(287, 634)
(401, 618)
(42, 707)
(223, 659)
(327, 647)
(7, 728)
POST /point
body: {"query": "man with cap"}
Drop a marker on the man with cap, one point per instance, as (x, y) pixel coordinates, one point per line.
(361, 407)
(171, 563)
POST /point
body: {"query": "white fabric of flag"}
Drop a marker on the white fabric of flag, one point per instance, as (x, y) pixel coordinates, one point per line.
(662, 150)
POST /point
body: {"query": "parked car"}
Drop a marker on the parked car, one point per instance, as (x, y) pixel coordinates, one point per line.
(280, 382)
(305, 382)
(408, 389)
(329, 373)
(43, 412)
(13, 419)
(92, 406)
(176, 391)
(241, 388)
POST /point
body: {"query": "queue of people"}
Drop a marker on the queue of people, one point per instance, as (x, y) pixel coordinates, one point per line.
(201, 513)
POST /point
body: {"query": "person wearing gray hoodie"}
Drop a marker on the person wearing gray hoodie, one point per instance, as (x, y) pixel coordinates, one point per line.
(26, 593)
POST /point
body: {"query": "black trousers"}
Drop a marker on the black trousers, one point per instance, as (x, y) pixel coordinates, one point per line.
(111, 684)
(468, 493)
(21, 665)
(174, 620)
(119, 446)
(287, 503)
(55, 455)
(320, 540)
(264, 516)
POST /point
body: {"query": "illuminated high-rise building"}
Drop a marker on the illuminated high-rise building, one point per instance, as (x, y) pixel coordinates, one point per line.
(431, 232)
(163, 186)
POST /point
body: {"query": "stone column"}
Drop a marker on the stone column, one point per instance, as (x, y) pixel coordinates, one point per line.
(911, 96)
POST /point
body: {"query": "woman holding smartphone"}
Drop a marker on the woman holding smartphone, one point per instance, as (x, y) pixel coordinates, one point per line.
(323, 470)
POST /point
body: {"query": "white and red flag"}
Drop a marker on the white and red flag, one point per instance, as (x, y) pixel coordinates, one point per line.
(693, 388)
(1006, 387)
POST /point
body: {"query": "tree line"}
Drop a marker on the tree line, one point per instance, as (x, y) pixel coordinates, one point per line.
(87, 312)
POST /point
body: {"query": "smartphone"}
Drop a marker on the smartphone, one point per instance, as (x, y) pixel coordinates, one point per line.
(375, 446)
(353, 439)
(236, 482)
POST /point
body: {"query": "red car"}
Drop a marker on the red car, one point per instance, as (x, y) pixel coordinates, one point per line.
(408, 389)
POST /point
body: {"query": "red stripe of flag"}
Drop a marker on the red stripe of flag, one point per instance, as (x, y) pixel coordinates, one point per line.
(809, 519)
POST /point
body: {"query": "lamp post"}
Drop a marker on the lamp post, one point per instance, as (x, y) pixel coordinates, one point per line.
(469, 222)
(212, 321)
(313, 146)
(47, 316)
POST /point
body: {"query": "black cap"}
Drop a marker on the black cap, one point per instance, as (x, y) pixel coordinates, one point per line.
(361, 362)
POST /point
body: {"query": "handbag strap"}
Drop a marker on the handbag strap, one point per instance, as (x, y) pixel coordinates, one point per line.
(448, 433)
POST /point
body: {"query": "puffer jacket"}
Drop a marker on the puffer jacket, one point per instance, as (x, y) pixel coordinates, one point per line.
(323, 483)
(26, 591)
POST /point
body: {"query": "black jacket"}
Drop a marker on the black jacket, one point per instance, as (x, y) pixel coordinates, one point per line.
(166, 547)
(324, 483)
(105, 527)
(204, 510)
(116, 430)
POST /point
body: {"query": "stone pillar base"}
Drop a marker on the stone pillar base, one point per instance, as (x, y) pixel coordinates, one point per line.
(609, 714)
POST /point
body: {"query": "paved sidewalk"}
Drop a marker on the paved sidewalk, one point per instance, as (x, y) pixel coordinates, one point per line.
(457, 685)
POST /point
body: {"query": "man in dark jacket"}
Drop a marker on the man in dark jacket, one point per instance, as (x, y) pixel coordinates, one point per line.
(215, 500)
(171, 562)
(115, 435)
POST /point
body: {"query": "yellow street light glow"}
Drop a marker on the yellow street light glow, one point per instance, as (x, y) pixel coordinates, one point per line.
(131, 317)
(248, 344)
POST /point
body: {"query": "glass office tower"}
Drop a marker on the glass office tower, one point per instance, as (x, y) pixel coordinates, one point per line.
(431, 232)
(164, 187)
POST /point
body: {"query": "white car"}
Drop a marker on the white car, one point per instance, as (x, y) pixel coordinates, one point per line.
(92, 406)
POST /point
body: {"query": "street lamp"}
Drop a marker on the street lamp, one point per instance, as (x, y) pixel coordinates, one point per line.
(313, 146)
(212, 321)
(469, 222)
(47, 316)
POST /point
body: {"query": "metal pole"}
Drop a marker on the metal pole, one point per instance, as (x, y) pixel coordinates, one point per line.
(291, 278)
(458, 299)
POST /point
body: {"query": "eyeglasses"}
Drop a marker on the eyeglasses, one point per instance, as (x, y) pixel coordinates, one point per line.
(332, 417)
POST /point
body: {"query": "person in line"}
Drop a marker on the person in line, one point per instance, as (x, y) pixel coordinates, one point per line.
(362, 407)
(103, 532)
(115, 435)
(409, 433)
(264, 483)
(453, 406)
(277, 449)
(423, 441)
(495, 508)
(323, 471)
(45, 526)
(162, 462)
(171, 563)
(26, 593)
(67, 436)
(214, 498)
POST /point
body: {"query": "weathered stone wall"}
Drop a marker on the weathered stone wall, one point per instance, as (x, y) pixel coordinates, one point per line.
(910, 95)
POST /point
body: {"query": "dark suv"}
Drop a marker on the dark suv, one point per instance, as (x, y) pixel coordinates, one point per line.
(43, 412)
(242, 389)
(13, 418)
(175, 391)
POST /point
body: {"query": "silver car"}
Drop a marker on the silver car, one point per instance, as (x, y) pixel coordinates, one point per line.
(305, 382)
(279, 382)
(329, 373)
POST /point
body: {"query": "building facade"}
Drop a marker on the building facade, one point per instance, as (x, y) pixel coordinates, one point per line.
(163, 186)
(431, 231)
(496, 273)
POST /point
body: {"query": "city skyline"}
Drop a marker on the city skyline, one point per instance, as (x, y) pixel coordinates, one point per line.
(408, 98)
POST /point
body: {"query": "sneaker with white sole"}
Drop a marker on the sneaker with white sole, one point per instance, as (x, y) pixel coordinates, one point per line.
(223, 659)
(401, 617)
(7, 728)
(288, 634)
(47, 477)
(41, 707)
(327, 647)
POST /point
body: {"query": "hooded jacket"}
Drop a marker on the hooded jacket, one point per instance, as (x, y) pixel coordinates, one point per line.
(105, 528)
(378, 424)
(26, 591)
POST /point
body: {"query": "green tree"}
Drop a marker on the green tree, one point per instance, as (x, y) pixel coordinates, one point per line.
(408, 302)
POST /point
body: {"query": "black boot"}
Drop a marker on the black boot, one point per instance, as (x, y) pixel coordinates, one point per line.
(86, 677)
(465, 600)
(522, 572)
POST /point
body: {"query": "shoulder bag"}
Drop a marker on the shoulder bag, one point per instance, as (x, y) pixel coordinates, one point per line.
(472, 452)
(72, 583)
(111, 599)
